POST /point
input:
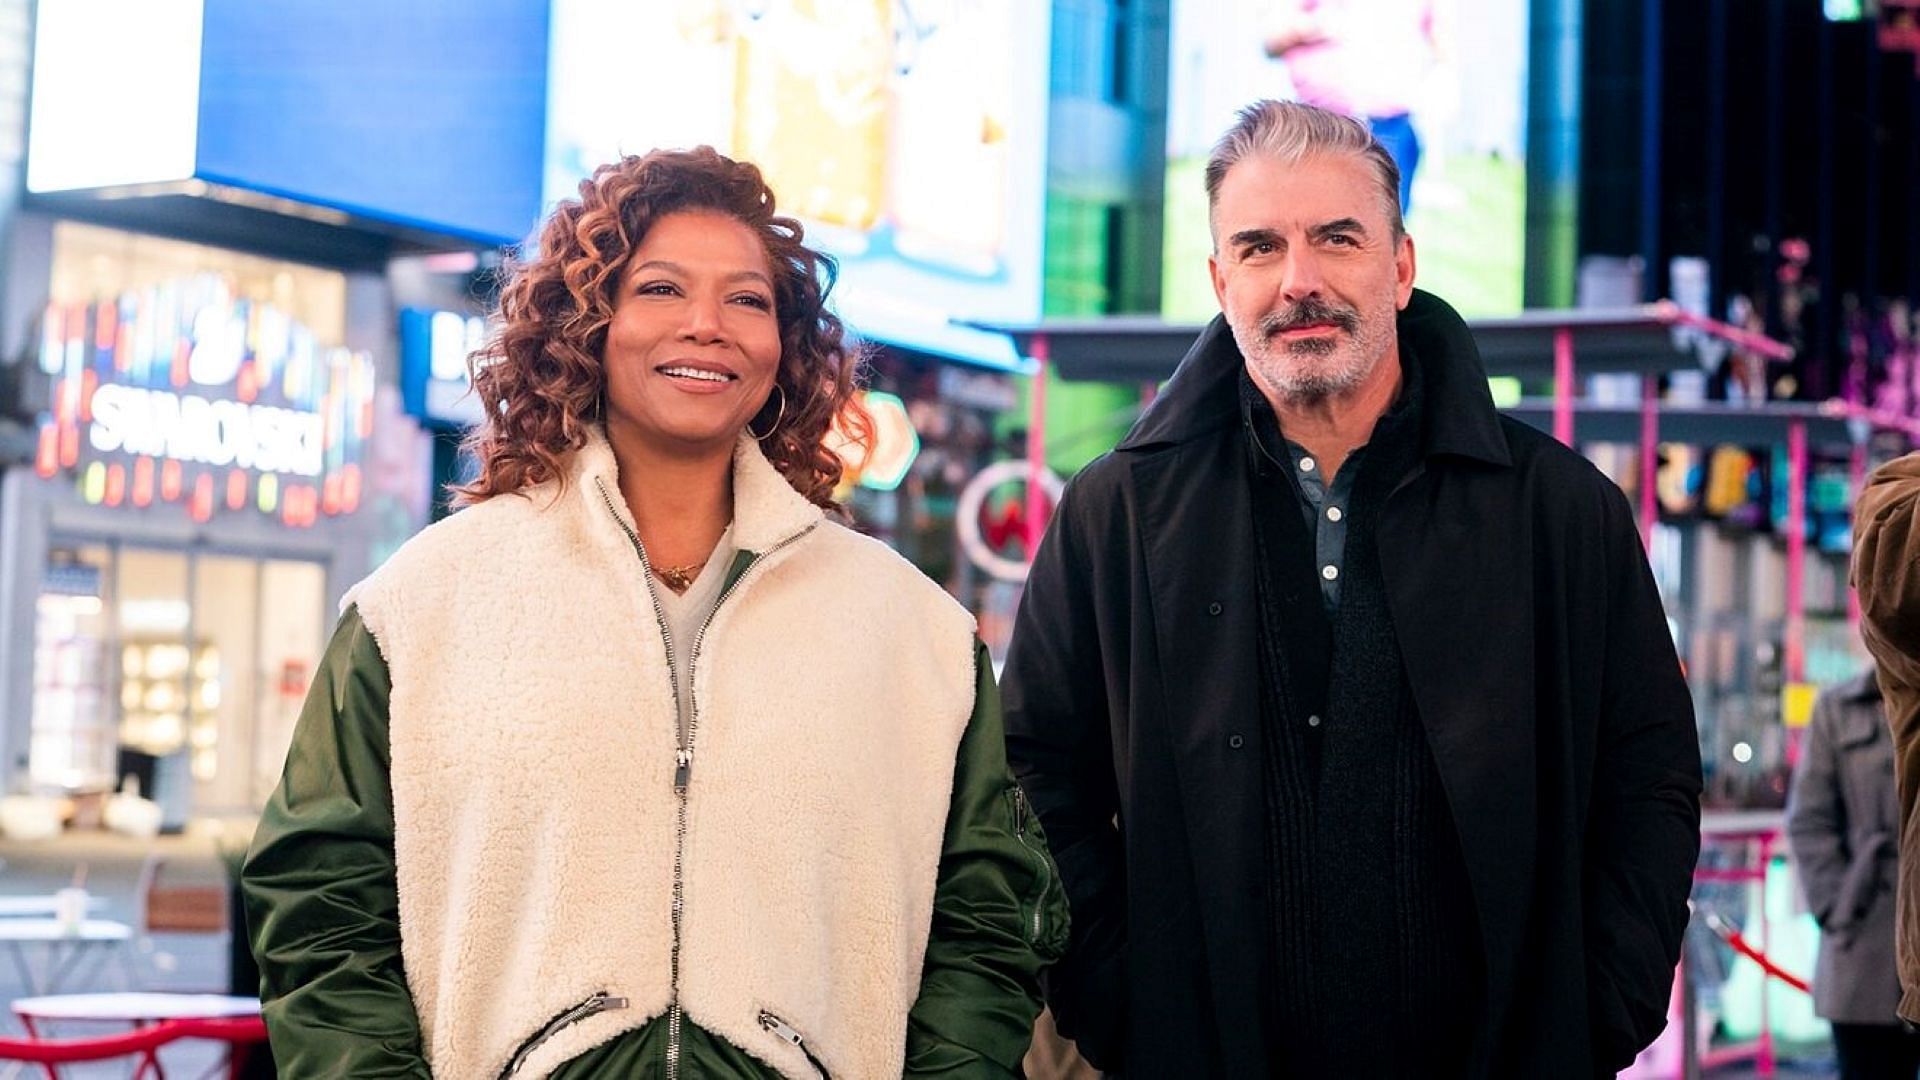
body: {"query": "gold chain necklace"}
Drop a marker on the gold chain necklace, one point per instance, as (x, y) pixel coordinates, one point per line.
(679, 578)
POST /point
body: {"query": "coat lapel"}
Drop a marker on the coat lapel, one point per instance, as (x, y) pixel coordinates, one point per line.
(1197, 529)
(1474, 690)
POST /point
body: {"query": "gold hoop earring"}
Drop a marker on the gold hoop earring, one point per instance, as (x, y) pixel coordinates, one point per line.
(777, 417)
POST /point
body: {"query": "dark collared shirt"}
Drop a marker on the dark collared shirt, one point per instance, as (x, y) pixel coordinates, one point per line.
(1323, 506)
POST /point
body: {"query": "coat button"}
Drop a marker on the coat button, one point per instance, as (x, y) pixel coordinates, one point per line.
(1213, 608)
(1236, 741)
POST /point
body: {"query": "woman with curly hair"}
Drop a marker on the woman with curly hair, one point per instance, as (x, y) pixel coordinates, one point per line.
(643, 763)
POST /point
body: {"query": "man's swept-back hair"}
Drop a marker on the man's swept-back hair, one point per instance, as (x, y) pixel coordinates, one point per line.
(1290, 132)
(541, 380)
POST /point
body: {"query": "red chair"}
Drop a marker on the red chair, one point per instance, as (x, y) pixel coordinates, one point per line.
(238, 1033)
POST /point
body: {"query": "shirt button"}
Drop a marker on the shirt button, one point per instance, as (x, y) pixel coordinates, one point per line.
(1329, 571)
(1313, 721)
(1334, 514)
(1306, 464)
(1236, 741)
(1213, 608)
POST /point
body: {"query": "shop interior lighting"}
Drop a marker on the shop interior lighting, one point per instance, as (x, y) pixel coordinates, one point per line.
(80, 606)
(161, 697)
(154, 616)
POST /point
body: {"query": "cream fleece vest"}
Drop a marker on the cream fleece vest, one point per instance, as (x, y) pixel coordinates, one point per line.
(533, 757)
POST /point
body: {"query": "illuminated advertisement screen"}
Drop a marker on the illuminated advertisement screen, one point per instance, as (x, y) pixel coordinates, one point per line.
(435, 386)
(424, 114)
(909, 138)
(1443, 84)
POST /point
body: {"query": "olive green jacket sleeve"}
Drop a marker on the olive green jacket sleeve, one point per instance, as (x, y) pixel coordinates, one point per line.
(322, 905)
(999, 915)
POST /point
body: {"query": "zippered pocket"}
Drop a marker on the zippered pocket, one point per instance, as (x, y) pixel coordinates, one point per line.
(1023, 819)
(600, 1002)
(788, 1034)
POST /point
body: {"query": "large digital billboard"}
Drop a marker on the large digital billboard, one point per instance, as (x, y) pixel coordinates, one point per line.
(424, 114)
(1443, 84)
(427, 113)
(909, 138)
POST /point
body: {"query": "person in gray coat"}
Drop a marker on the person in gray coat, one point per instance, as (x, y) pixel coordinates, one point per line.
(1840, 824)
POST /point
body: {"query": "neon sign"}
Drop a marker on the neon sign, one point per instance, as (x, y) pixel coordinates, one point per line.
(184, 393)
(191, 428)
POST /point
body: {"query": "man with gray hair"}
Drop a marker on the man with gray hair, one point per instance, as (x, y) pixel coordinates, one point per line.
(1347, 704)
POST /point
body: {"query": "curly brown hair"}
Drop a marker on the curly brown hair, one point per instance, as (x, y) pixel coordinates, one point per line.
(540, 379)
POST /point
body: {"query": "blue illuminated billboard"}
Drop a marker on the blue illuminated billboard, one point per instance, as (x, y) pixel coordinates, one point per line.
(426, 114)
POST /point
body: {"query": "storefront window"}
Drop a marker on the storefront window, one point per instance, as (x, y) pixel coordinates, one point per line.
(293, 622)
(155, 663)
(226, 606)
(75, 729)
(184, 670)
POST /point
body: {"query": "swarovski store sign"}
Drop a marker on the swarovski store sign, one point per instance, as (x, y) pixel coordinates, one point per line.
(184, 392)
(193, 429)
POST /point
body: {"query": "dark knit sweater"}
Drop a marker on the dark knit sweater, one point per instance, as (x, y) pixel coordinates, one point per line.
(1376, 949)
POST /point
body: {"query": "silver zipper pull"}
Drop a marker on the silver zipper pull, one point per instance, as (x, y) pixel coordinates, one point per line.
(780, 1028)
(682, 768)
(600, 1002)
(786, 1033)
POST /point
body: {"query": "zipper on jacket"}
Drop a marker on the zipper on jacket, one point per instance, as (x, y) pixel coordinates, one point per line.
(659, 615)
(683, 751)
(600, 1002)
(787, 1033)
(682, 773)
(1022, 811)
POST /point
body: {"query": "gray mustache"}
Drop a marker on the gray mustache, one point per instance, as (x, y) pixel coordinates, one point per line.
(1307, 314)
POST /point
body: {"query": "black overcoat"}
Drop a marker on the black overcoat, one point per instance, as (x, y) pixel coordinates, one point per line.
(1544, 675)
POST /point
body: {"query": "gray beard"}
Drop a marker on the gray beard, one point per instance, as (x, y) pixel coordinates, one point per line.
(1291, 384)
